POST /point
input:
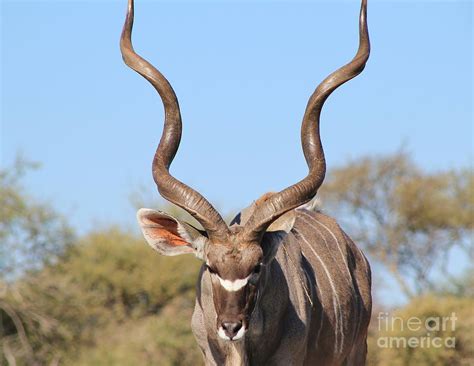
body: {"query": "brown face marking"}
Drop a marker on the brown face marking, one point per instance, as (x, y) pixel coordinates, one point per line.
(234, 285)
(233, 262)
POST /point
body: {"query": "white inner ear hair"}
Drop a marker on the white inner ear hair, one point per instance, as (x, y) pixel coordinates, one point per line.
(198, 244)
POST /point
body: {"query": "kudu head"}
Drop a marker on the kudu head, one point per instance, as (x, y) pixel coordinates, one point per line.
(236, 257)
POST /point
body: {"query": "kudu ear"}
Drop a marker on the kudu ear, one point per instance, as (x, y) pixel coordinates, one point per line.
(169, 236)
(276, 233)
(283, 223)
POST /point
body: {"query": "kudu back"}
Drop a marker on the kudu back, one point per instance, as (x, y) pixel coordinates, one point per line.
(282, 284)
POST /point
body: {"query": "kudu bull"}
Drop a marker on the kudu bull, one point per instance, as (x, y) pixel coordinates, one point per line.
(283, 284)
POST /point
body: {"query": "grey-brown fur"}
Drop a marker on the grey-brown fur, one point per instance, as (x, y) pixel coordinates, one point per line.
(295, 322)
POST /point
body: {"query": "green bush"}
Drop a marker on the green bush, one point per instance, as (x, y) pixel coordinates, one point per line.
(428, 339)
(125, 275)
(111, 285)
(164, 340)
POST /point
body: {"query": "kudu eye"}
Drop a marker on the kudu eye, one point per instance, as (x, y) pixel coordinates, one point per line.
(257, 268)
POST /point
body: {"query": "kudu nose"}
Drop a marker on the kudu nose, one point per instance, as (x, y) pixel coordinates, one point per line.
(231, 328)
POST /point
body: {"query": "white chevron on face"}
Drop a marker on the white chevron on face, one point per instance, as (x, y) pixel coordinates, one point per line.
(235, 285)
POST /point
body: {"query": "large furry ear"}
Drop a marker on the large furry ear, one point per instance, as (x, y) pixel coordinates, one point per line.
(276, 233)
(169, 236)
(270, 243)
(283, 223)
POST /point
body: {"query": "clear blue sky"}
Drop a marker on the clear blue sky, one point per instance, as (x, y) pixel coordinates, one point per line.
(243, 73)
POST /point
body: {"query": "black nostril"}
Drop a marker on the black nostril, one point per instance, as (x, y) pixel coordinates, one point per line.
(231, 328)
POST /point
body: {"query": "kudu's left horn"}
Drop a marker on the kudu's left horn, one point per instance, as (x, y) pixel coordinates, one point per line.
(169, 187)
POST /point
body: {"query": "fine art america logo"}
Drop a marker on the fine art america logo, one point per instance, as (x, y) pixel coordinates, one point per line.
(416, 332)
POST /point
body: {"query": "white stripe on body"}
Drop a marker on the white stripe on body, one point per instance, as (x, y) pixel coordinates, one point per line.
(335, 301)
(334, 237)
(326, 243)
(322, 310)
(356, 298)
